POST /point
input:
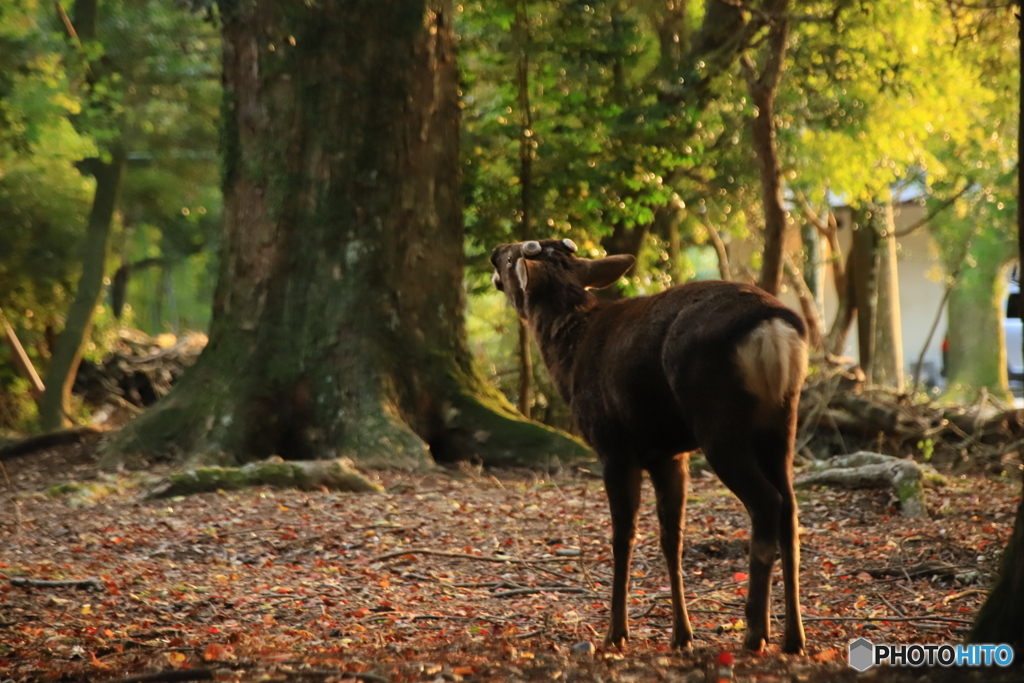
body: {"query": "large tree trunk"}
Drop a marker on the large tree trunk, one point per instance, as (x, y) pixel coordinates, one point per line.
(60, 374)
(338, 318)
(977, 348)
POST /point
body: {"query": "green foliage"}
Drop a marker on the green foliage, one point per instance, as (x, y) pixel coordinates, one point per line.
(43, 197)
(606, 152)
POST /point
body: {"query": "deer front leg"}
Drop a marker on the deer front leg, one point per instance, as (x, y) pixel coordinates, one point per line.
(622, 485)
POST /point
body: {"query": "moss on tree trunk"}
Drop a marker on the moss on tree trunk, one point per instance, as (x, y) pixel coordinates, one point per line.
(977, 348)
(338, 317)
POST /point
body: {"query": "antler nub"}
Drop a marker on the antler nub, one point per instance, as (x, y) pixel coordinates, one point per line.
(531, 248)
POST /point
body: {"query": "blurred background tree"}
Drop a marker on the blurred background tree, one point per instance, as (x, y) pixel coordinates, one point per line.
(629, 127)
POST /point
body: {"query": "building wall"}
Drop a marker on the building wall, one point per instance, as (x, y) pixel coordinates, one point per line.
(920, 285)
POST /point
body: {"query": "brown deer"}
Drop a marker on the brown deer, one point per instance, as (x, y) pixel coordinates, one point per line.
(711, 365)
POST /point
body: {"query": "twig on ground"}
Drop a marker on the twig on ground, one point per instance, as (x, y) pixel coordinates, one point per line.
(530, 634)
(464, 556)
(547, 589)
(893, 607)
(972, 591)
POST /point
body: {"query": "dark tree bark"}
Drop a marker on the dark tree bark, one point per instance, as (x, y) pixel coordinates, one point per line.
(1001, 618)
(338, 317)
(864, 281)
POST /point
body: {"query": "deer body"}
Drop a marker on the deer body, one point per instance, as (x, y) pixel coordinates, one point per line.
(711, 365)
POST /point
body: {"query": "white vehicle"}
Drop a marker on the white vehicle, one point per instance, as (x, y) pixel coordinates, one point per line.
(1013, 330)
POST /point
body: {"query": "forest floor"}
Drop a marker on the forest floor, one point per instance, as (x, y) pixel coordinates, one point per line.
(458, 576)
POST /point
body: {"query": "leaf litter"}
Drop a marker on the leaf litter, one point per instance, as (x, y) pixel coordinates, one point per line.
(458, 576)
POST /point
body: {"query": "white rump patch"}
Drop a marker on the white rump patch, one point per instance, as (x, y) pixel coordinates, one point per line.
(773, 361)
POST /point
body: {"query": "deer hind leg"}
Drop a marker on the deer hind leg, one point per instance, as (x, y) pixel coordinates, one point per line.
(733, 457)
(670, 478)
(777, 465)
(622, 484)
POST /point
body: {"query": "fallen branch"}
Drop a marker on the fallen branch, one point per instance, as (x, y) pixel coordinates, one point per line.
(874, 470)
(306, 475)
(32, 444)
(169, 676)
(952, 620)
(464, 556)
(88, 584)
(548, 589)
(931, 568)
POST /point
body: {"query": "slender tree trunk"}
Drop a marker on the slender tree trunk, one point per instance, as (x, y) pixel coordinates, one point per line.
(864, 251)
(338, 317)
(835, 340)
(521, 31)
(813, 270)
(887, 366)
(763, 89)
(724, 270)
(71, 343)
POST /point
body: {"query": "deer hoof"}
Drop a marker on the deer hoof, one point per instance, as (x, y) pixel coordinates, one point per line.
(793, 646)
(754, 642)
(618, 640)
(682, 642)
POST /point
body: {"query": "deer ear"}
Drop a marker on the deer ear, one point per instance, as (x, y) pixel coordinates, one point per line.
(602, 272)
(523, 268)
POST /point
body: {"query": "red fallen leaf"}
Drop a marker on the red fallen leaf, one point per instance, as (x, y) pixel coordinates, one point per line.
(739, 576)
(464, 670)
(97, 663)
(829, 655)
(213, 629)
